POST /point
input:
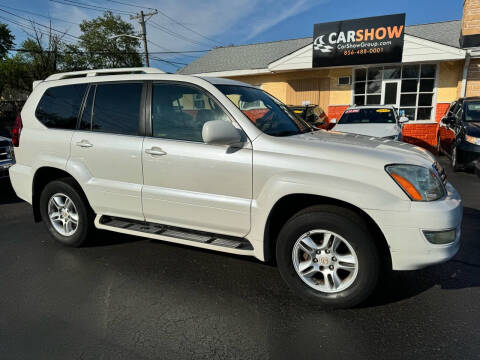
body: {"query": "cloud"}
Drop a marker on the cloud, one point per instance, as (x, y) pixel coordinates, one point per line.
(226, 21)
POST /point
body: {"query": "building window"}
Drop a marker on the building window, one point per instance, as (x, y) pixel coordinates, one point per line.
(416, 85)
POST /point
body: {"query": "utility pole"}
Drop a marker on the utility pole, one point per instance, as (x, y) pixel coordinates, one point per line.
(143, 30)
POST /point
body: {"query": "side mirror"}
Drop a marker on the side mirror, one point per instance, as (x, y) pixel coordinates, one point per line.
(404, 119)
(220, 132)
(333, 121)
(449, 120)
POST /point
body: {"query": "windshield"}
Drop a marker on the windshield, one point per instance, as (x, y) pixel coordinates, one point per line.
(472, 111)
(267, 113)
(368, 116)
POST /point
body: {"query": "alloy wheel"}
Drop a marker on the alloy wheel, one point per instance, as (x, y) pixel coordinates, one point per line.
(325, 261)
(63, 214)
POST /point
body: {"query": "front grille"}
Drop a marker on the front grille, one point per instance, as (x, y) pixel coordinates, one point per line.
(441, 172)
(4, 153)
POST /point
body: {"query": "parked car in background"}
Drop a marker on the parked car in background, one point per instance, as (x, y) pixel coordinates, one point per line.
(379, 121)
(462, 122)
(180, 159)
(7, 157)
(312, 114)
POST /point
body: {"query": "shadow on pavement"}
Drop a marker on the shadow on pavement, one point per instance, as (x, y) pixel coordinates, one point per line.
(7, 194)
(463, 271)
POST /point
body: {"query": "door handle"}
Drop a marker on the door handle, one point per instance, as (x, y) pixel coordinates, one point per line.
(155, 151)
(84, 144)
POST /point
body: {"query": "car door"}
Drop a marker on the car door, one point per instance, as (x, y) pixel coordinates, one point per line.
(106, 149)
(447, 131)
(188, 183)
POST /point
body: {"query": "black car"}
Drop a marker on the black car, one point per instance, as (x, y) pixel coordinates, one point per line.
(312, 114)
(461, 134)
(7, 157)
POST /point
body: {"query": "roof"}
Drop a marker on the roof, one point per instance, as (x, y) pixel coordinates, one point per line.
(260, 55)
(224, 81)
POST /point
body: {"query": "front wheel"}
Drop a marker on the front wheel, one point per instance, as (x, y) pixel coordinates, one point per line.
(327, 254)
(66, 213)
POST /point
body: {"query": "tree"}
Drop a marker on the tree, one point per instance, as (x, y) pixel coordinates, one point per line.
(97, 47)
(6, 40)
(39, 57)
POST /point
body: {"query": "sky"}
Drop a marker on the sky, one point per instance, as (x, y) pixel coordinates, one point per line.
(188, 25)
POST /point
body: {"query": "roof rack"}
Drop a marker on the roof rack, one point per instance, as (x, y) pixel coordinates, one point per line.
(103, 72)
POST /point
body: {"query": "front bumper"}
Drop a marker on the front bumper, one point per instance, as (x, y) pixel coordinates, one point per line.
(468, 154)
(403, 230)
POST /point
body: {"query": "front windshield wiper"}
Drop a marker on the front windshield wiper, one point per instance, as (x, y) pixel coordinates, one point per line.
(286, 133)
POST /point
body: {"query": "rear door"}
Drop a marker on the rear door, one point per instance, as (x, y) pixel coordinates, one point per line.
(107, 147)
(188, 183)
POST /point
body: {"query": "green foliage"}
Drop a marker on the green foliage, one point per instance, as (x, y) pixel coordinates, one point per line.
(6, 40)
(45, 53)
(98, 49)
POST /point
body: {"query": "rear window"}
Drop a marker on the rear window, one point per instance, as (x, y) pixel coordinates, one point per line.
(60, 105)
(368, 116)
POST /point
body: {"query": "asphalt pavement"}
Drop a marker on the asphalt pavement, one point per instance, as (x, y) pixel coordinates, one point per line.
(132, 298)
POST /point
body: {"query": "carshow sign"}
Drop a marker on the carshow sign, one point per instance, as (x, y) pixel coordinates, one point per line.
(370, 40)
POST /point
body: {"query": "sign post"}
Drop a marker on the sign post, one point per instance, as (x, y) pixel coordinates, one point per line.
(370, 40)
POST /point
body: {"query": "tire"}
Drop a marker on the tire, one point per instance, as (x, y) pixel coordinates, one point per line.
(348, 228)
(53, 201)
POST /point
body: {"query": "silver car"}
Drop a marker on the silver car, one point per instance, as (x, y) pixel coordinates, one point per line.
(378, 121)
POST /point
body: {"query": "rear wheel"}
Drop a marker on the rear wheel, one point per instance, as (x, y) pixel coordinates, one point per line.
(327, 254)
(65, 213)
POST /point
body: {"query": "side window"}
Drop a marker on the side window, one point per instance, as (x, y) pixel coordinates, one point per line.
(60, 105)
(117, 108)
(179, 112)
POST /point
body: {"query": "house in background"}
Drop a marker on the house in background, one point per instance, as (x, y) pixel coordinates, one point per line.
(439, 64)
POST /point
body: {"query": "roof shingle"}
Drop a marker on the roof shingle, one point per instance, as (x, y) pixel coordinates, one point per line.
(260, 55)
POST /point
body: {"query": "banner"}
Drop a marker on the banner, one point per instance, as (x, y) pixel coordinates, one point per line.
(370, 40)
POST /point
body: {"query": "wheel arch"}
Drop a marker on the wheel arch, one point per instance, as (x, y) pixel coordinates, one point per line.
(41, 178)
(290, 204)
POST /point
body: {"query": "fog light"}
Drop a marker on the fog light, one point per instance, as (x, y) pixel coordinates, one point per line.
(441, 237)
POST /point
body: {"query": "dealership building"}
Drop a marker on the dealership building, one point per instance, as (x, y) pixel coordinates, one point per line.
(421, 73)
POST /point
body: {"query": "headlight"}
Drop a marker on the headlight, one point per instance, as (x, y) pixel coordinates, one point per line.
(472, 139)
(418, 182)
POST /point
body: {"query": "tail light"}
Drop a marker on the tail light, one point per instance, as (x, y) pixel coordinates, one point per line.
(17, 129)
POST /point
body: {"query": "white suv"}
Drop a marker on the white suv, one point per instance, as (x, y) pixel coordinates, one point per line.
(176, 158)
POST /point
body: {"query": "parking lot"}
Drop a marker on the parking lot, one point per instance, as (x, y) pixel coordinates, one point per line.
(132, 298)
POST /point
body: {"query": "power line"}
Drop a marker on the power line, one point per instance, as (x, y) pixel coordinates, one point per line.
(169, 51)
(91, 7)
(37, 14)
(172, 63)
(104, 52)
(134, 6)
(186, 27)
(39, 24)
(27, 27)
(174, 34)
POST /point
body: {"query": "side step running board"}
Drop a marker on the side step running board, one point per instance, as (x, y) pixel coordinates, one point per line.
(176, 233)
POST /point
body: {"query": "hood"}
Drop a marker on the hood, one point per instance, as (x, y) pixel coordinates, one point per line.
(472, 128)
(352, 148)
(378, 130)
